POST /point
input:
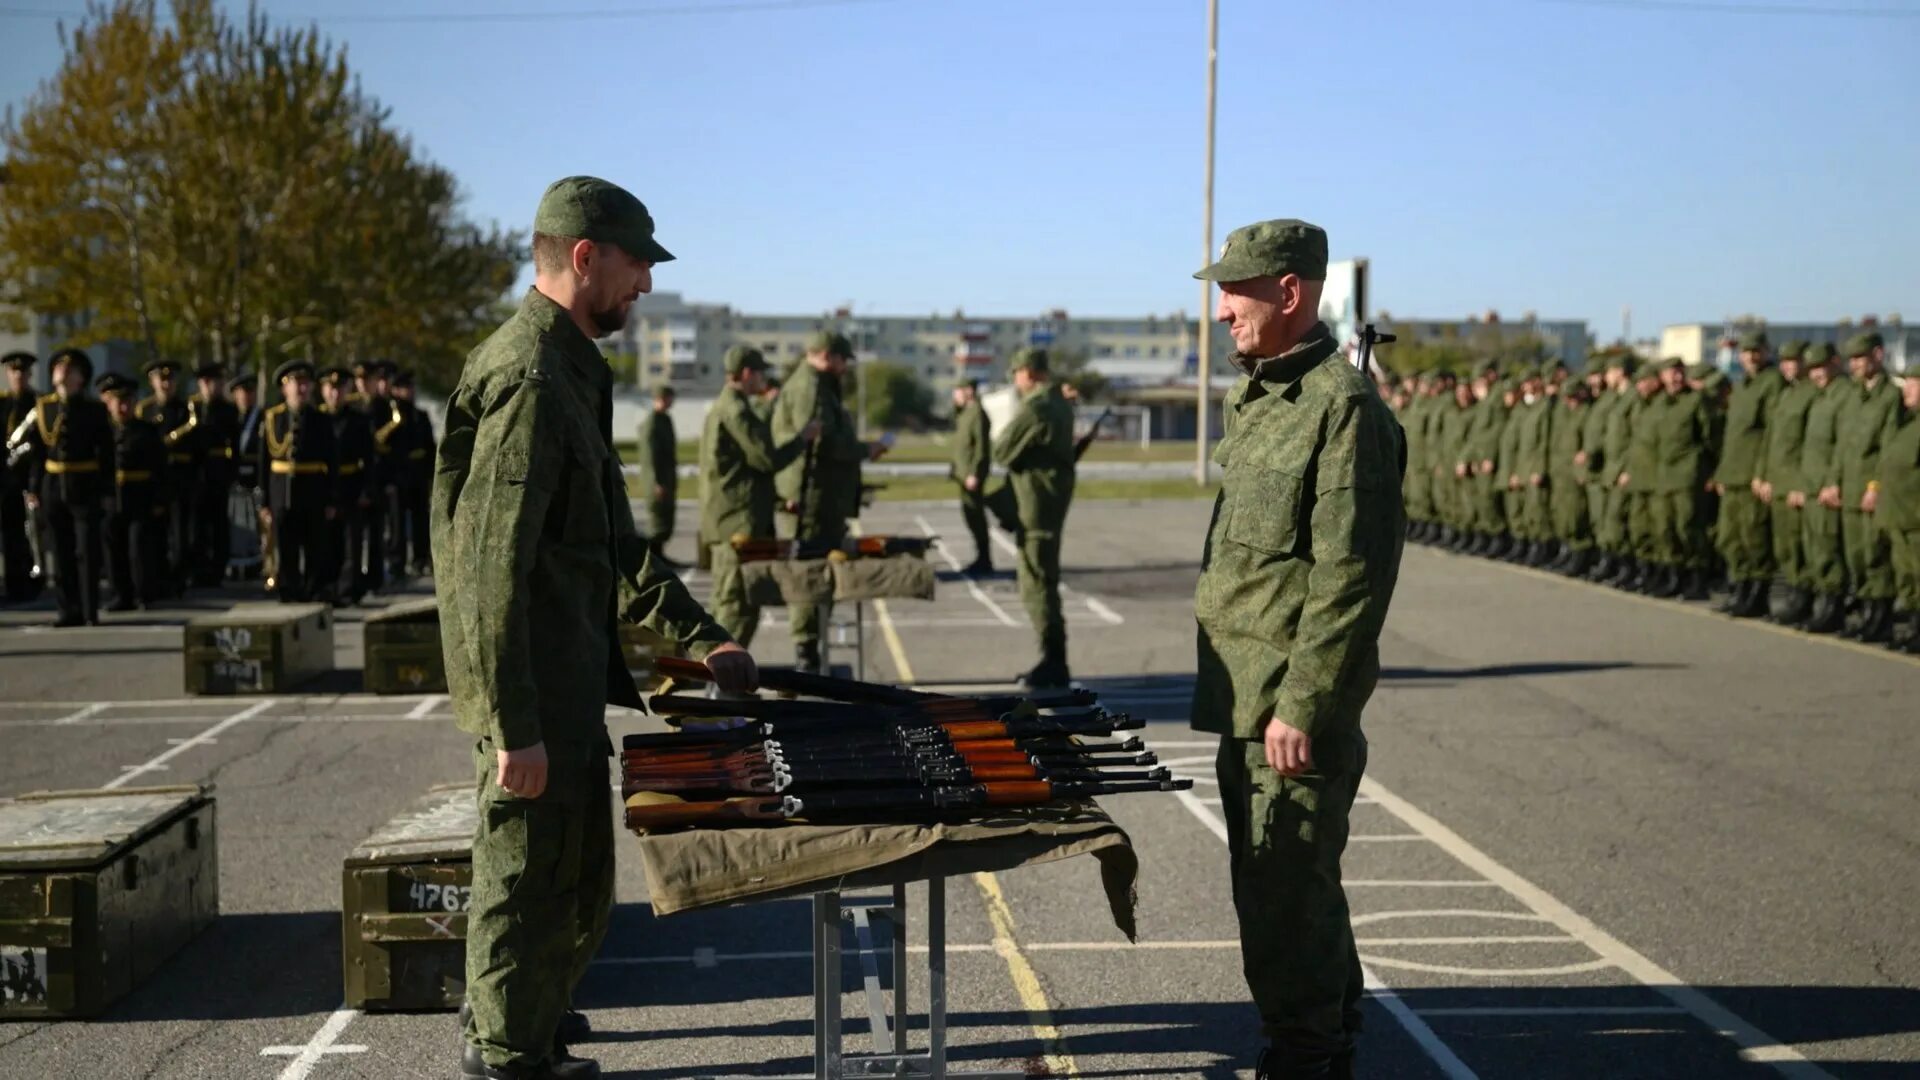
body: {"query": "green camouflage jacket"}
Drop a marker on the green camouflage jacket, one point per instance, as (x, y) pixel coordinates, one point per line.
(1567, 433)
(833, 490)
(972, 445)
(1816, 455)
(1898, 507)
(1861, 422)
(535, 550)
(737, 461)
(1743, 439)
(1682, 430)
(1036, 449)
(659, 451)
(1303, 551)
(1787, 436)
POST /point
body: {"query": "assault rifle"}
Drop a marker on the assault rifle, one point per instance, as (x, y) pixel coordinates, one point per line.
(853, 547)
(791, 681)
(964, 730)
(1080, 446)
(844, 714)
(881, 804)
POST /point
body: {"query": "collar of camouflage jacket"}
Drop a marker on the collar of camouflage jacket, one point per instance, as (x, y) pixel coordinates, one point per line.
(1295, 362)
(554, 323)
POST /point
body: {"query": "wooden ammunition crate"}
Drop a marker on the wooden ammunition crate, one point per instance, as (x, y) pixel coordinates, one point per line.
(403, 649)
(259, 648)
(97, 890)
(405, 894)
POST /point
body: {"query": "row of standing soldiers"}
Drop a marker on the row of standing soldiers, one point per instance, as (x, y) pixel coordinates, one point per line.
(1798, 489)
(143, 493)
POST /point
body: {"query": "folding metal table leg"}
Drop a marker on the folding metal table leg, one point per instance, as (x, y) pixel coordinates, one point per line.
(826, 986)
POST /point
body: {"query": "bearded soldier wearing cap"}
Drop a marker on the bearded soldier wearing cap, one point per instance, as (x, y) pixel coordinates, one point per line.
(738, 460)
(17, 561)
(165, 408)
(300, 467)
(353, 442)
(659, 451)
(537, 556)
(1743, 532)
(822, 487)
(1036, 450)
(70, 483)
(1861, 424)
(136, 517)
(1897, 509)
(1295, 580)
(216, 438)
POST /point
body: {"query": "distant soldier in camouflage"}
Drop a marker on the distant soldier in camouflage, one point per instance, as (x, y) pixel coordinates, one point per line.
(1862, 422)
(1897, 508)
(16, 545)
(659, 451)
(1826, 567)
(1036, 450)
(1480, 454)
(538, 556)
(1299, 567)
(1640, 465)
(971, 465)
(373, 397)
(1683, 431)
(738, 460)
(1743, 531)
(1567, 479)
(1453, 473)
(1775, 480)
(1528, 476)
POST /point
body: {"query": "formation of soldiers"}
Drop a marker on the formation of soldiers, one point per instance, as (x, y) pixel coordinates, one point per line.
(1795, 492)
(139, 492)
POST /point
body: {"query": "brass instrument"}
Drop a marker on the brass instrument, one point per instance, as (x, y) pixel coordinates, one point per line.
(386, 431)
(17, 445)
(193, 421)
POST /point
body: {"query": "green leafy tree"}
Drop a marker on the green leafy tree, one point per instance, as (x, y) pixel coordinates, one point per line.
(896, 396)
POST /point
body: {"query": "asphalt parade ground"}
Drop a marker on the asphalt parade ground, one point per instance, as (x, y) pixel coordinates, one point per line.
(1600, 837)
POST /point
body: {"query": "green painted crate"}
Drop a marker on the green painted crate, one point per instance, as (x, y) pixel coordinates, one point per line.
(258, 648)
(402, 646)
(404, 898)
(97, 890)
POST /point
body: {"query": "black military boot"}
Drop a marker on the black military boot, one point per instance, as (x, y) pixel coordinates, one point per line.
(806, 657)
(1693, 586)
(1545, 555)
(1049, 674)
(1663, 583)
(1789, 605)
(1875, 622)
(1603, 568)
(562, 1067)
(1578, 562)
(1628, 577)
(1850, 625)
(1826, 615)
(1905, 637)
(1758, 591)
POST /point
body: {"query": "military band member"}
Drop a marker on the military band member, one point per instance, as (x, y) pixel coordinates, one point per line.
(216, 437)
(372, 398)
(246, 445)
(17, 560)
(299, 464)
(136, 519)
(416, 481)
(167, 409)
(354, 442)
(71, 484)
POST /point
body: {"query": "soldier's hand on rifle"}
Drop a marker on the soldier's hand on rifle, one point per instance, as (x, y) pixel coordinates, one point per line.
(734, 670)
(522, 772)
(1289, 750)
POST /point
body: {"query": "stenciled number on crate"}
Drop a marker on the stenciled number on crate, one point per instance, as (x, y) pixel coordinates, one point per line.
(243, 674)
(427, 896)
(23, 976)
(232, 641)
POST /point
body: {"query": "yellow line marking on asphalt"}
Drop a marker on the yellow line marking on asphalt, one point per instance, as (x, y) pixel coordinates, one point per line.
(1025, 980)
(1689, 609)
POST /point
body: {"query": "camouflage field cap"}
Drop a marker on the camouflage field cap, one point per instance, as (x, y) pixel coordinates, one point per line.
(1862, 344)
(292, 369)
(1623, 361)
(1270, 249)
(1753, 341)
(606, 213)
(1793, 350)
(1672, 362)
(744, 358)
(831, 342)
(19, 359)
(1818, 354)
(1029, 359)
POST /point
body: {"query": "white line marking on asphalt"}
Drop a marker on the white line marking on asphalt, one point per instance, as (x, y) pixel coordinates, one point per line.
(1755, 1044)
(427, 703)
(322, 1043)
(1474, 939)
(202, 718)
(1094, 604)
(1485, 973)
(1410, 883)
(1449, 913)
(1558, 1010)
(1442, 1054)
(159, 763)
(81, 714)
(1387, 838)
(973, 587)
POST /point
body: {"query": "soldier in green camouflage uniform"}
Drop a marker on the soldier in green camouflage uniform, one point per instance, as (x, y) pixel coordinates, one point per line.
(738, 460)
(1826, 568)
(1479, 450)
(659, 451)
(827, 475)
(1533, 418)
(1450, 469)
(537, 558)
(972, 462)
(1683, 430)
(1568, 479)
(1635, 481)
(1861, 422)
(1897, 508)
(1775, 479)
(1742, 531)
(1036, 450)
(1298, 571)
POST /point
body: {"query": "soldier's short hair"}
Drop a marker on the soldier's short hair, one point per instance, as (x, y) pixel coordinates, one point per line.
(552, 254)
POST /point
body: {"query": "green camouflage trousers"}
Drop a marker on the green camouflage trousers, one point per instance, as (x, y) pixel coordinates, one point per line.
(1679, 529)
(1742, 535)
(542, 893)
(973, 511)
(660, 521)
(1572, 525)
(1906, 567)
(1789, 543)
(809, 618)
(1864, 544)
(1826, 565)
(731, 609)
(1643, 541)
(1489, 511)
(1285, 836)
(1039, 576)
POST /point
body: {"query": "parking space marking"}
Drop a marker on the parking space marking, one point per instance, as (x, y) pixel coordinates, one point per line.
(1093, 603)
(973, 586)
(159, 762)
(427, 704)
(1557, 1010)
(322, 1044)
(80, 714)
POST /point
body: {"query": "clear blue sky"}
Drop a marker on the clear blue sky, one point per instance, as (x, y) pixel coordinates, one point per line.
(1009, 156)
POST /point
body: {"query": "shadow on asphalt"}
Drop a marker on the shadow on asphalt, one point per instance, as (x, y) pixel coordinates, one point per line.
(1515, 671)
(68, 654)
(244, 967)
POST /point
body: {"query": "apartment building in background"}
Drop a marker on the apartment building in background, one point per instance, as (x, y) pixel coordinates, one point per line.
(1717, 342)
(1567, 340)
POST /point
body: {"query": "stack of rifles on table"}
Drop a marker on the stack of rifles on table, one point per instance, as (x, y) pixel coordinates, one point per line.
(875, 754)
(853, 547)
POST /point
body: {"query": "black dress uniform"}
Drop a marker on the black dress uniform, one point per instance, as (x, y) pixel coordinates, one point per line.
(381, 479)
(413, 452)
(135, 521)
(299, 464)
(177, 422)
(17, 560)
(217, 446)
(354, 440)
(72, 475)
